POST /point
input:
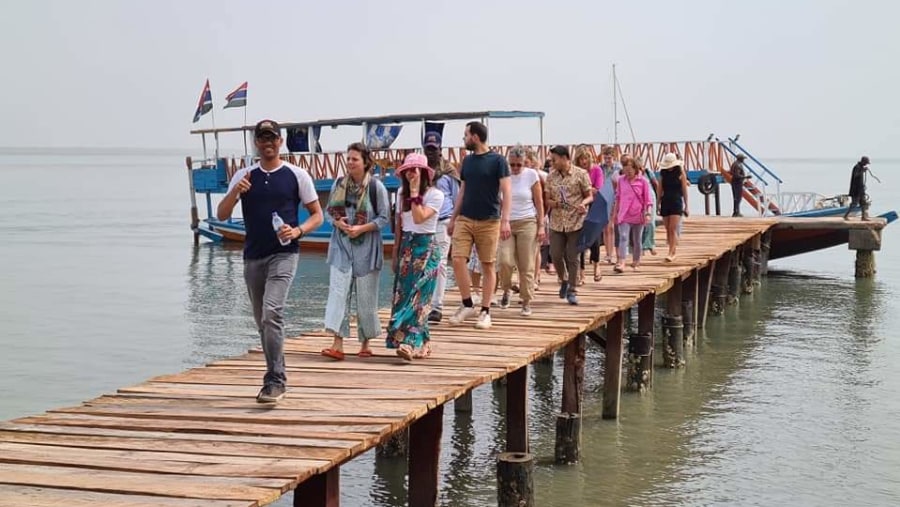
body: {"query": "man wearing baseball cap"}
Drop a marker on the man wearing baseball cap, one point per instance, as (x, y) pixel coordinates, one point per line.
(268, 188)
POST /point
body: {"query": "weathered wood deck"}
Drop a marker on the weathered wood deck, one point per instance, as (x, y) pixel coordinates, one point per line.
(199, 438)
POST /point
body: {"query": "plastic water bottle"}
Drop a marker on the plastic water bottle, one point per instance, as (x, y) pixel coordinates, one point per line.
(277, 222)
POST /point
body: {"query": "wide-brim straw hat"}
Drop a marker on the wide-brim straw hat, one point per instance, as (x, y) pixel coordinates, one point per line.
(670, 160)
(415, 160)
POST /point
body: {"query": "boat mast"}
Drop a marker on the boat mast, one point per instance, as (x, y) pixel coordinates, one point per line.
(615, 110)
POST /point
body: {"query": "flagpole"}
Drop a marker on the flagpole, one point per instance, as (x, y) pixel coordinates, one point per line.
(245, 124)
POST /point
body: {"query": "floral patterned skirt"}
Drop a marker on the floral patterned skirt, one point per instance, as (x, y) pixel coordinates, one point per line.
(414, 284)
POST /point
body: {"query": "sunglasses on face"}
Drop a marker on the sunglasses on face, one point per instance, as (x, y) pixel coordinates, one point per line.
(267, 138)
(516, 165)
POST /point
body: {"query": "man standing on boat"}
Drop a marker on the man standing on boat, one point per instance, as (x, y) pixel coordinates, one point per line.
(858, 189)
(480, 218)
(268, 189)
(447, 181)
(738, 176)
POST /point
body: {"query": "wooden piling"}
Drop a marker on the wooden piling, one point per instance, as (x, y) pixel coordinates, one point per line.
(463, 404)
(195, 217)
(719, 289)
(734, 278)
(424, 458)
(756, 256)
(703, 296)
(865, 264)
(747, 269)
(765, 246)
(689, 297)
(321, 490)
(517, 411)
(395, 446)
(612, 375)
(515, 484)
(640, 367)
(673, 327)
(568, 423)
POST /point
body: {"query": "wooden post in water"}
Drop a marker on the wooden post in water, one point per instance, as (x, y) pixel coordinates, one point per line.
(195, 217)
(719, 288)
(612, 376)
(640, 362)
(703, 296)
(424, 458)
(321, 490)
(673, 327)
(568, 423)
(394, 446)
(747, 268)
(463, 404)
(865, 242)
(689, 298)
(734, 277)
(756, 256)
(765, 247)
(515, 467)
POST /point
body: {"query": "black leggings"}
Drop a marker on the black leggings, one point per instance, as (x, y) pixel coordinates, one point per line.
(595, 253)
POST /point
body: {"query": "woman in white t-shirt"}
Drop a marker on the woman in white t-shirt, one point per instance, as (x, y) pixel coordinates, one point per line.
(517, 252)
(417, 258)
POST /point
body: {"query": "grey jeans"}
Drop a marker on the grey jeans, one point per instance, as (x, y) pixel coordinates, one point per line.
(268, 281)
(564, 253)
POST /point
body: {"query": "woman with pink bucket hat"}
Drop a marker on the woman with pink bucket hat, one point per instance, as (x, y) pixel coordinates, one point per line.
(417, 258)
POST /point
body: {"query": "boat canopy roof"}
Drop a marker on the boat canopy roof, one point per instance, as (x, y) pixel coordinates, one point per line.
(393, 118)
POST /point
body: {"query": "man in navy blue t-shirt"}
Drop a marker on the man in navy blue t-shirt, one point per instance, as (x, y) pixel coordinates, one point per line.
(480, 219)
(265, 189)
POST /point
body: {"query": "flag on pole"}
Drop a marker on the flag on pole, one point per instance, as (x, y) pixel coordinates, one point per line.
(237, 98)
(205, 104)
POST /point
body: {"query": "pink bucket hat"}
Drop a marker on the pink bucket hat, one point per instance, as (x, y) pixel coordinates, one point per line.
(416, 160)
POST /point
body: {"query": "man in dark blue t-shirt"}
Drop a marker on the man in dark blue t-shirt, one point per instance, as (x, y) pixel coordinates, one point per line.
(480, 218)
(265, 189)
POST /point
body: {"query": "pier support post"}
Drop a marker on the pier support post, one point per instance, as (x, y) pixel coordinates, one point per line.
(568, 423)
(195, 217)
(463, 404)
(424, 458)
(640, 357)
(734, 278)
(689, 306)
(719, 289)
(395, 446)
(320, 490)
(703, 296)
(765, 246)
(612, 376)
(747, 269)
(673, 327)
(515, 467)
(756, 259)
(865, 264)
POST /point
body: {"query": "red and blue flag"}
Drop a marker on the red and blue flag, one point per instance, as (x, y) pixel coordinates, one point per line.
(205, 105)
(237, 98)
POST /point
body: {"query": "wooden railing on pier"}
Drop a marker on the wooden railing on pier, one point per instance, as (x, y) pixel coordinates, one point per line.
(199, 437)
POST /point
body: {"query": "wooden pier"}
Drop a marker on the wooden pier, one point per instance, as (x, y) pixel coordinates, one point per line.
(199, 437)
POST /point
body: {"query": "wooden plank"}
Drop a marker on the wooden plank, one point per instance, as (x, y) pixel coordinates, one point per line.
(163, 462)
(19, 496)
(201, 487)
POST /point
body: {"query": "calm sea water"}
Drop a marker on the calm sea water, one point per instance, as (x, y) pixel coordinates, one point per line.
(792, 398)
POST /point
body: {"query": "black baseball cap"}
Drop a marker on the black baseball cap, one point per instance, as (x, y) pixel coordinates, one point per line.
(562, 151)
(266, 126)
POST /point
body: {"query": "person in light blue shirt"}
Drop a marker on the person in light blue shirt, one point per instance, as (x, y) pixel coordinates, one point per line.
(447, 181)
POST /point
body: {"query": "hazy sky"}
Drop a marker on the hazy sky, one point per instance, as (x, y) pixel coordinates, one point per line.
(794, 78)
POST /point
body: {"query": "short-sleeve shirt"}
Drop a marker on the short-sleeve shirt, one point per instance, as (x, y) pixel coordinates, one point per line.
(433, 199)
(568, 191)
(481, 175)
(281, 191)
(522, 194)
(596, 175)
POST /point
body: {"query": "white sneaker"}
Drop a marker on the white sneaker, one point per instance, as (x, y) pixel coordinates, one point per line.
(526, 311)
(484, 321)
(462, 314)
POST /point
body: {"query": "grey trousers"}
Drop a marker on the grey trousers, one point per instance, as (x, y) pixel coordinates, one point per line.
(342, 285)
(564, 253)
(268, 281)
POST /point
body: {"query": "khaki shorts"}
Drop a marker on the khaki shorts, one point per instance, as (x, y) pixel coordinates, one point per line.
(484, 234)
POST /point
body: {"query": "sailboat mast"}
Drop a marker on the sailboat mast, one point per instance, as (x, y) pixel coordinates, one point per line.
(615, 110)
